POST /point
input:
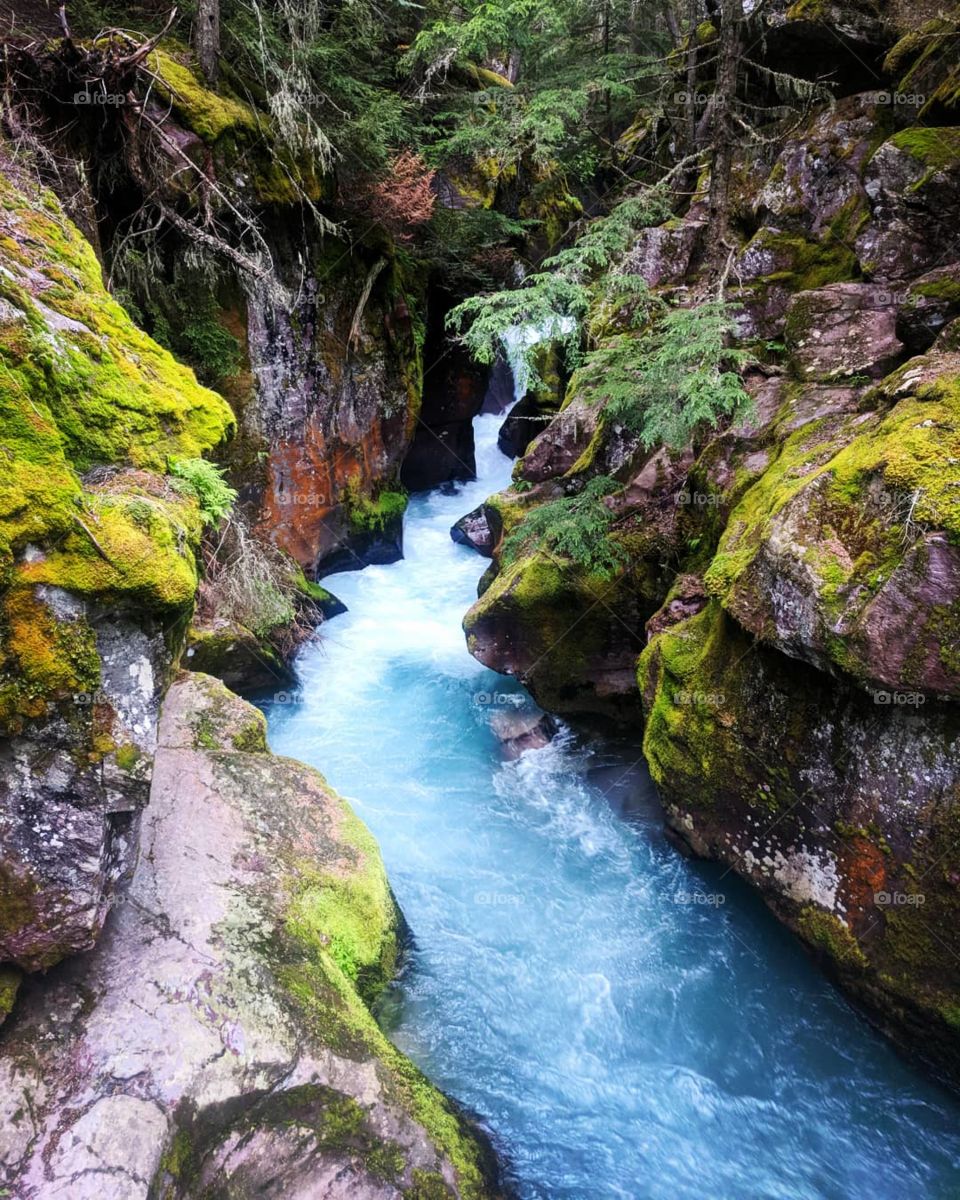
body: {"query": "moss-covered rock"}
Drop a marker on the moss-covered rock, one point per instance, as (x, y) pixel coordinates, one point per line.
(241, 987)
(844, 553)
(835, 807)
(97, 567)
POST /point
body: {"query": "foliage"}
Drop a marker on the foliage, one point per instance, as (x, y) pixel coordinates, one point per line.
(573, 527)
(566, 74)
(555, 302)
(671, 380)
(201, 479)
(180, 308)
(400, 199)
(250, 583)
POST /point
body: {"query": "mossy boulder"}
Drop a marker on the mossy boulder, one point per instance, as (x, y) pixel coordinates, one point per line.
(235, 655)
(833, 806)
(928, 306)
(913, 183)
(845, 552)
(843, 331)
(571, 637)
(233, 994)
(924, 63)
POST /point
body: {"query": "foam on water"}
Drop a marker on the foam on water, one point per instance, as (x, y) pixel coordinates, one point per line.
(617, 1037)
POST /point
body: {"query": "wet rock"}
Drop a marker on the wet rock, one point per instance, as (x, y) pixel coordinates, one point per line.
(68, 814)
(840, 40)
(501, 388)
(454, 391)
(687, 597)
(333, 415)
(663, 253)
(844, 330)
(533, 413)
(215, 1041)
(518, 731)
(234, 655)
(474, 530)
(928, 306)
(815, 186)
(842, 554)
(838, 825)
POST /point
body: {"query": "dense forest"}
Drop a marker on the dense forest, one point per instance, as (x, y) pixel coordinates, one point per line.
(647, 317)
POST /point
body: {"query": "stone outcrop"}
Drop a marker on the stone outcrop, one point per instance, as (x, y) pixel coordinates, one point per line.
(217, 1039)
(97, 573)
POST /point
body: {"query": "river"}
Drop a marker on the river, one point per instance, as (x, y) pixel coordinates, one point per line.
(626, 1022)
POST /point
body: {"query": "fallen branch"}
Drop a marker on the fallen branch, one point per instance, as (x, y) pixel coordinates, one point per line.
(353, 341)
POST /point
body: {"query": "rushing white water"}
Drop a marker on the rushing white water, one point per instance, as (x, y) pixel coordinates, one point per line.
(625, 1022)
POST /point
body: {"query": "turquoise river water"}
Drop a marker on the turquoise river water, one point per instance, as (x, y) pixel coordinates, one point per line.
(624, 1021)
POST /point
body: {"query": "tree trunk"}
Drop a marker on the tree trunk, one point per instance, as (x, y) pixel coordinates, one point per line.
(724, 130)
(691, 80)
(207, 38)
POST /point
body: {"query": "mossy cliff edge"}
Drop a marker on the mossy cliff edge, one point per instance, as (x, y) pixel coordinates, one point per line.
(97, 569)
(783, 619)
(218, 1040)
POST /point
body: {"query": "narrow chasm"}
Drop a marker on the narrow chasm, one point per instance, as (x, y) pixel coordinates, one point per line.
(480, 600)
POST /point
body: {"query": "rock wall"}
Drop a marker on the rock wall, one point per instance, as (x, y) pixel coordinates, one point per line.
(217, 1041)
(785, 629)
(97, 574)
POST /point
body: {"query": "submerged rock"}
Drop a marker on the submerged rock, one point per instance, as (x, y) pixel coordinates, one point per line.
(522, 730)
(474, 530)
(217, 1038)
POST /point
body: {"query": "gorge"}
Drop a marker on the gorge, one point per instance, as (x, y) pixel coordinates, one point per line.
(480, 600)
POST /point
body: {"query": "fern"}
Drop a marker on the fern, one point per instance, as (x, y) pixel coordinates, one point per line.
(573, 527)
(555, 302)
(674, 379)
(205, 483)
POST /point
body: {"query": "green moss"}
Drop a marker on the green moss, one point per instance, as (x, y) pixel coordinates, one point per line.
(352, 917)
(830, 935)
(946, 289)
(128, 756)
(43, 660)
(80, 387)
(908, 450)
(376, 515)
(10, 979)
(937, 149)
(427, 1185)
(208, 114)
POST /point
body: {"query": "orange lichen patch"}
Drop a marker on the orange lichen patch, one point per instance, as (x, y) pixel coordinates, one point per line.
(310, 482)
(863, 868)
(42, 658)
